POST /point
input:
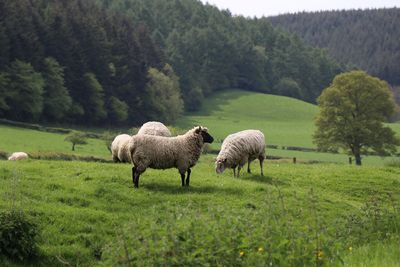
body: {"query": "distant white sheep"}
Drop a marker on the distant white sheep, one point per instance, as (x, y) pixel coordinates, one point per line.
(18, 156)
(120, 149)
(239, 148)
(154, 128)
(159, 152)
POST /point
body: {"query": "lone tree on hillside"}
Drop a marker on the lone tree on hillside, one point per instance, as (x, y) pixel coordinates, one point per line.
(352, 111)
(76, 138)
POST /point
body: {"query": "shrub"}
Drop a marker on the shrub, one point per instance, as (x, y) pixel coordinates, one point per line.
(76, 138)
(17, 235)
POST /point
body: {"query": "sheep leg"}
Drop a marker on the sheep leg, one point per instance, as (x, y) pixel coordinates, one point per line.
(133, 175)
(248, 167)
(238, 172)
(136, 175)
(188, 177)
(183, 179)
(261, 158)
(234, 172)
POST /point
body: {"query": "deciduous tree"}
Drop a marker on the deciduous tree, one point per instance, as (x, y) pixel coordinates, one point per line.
(352, 112)
(76, 138)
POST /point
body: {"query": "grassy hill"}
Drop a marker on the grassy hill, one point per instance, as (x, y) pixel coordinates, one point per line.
(27, 140)
(285, 122)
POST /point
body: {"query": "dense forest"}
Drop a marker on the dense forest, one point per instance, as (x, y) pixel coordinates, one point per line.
(367, 39)
(98, 62)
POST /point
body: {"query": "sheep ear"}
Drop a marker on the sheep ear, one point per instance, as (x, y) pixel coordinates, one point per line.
(198, 130)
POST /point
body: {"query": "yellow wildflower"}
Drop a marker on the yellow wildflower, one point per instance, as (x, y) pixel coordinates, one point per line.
(350, 249)
(260, 249)
(320, 254)
(241, 253)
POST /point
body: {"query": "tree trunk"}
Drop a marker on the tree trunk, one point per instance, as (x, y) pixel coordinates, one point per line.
(358, 159)
(357, 155)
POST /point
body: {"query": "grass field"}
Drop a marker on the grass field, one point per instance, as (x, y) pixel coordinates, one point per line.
(297, 215)
(285, 122)
(326, 214)
(20, 139)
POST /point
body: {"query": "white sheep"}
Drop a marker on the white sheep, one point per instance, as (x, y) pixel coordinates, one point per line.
(120, 149)
(18, 156)
(239, 148)
(154, 128)
(159, 152)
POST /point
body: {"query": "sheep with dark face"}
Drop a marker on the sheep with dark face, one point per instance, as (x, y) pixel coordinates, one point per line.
(158, 152)
(239, 148)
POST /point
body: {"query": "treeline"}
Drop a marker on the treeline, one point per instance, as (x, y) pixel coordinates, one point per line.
(367, 39)
(102, 62)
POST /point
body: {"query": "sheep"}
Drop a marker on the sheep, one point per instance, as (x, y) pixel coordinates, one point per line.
(154, 128)
(159, 152)
(239, 148)
(120, 149)
(18, 156)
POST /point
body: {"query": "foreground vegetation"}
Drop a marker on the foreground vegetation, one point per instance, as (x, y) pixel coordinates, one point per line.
(89, 214)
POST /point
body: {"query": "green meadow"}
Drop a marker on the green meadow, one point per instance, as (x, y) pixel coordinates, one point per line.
(20, 139)
(325, 214)
(297, 215)
(284, 121)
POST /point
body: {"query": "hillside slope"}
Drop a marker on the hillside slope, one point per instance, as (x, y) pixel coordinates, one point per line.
(284, 120)
(367, 39)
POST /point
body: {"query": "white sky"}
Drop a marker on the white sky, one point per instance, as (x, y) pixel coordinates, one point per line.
(258, 8)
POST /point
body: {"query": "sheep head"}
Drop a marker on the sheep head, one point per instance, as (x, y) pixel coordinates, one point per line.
(220, 165)
(207, 138)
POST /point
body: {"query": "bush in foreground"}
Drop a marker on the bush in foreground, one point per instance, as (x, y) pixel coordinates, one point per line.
(17, 235)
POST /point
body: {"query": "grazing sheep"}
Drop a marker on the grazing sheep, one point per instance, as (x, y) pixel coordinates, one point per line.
(18, 156)
(120, 149)
(159, 152)
(239, 148)
(154, 128)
